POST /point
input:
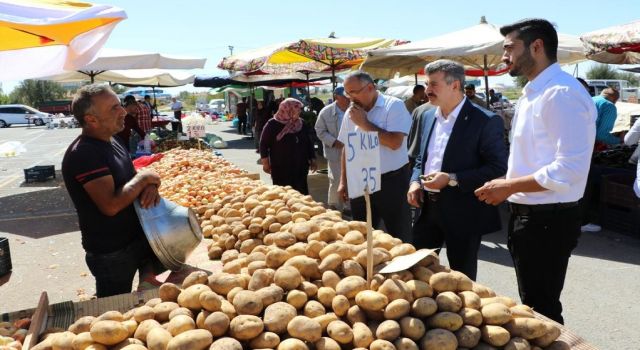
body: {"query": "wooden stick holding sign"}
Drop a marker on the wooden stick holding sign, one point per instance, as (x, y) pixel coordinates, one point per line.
(362, 153)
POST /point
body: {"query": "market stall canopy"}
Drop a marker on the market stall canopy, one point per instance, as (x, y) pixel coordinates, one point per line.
(42, 38)
(478, 48)
(625, 112)
(137, 77)
(258, 79)
(615, 45)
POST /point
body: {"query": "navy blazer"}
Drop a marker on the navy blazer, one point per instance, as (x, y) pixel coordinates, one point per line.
(476, 153)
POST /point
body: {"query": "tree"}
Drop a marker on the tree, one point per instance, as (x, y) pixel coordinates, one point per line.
(35, 92)
(605, 71)
(4, 99)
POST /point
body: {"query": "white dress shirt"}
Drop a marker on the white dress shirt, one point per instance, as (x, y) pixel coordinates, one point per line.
(552, 138)
(633, 136)
(389, 114)
(440, 137)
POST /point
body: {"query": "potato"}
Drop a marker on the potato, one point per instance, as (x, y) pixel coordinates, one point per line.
(552, 332)
(380, 344)
(443, 282)
(495, 314)
(83, 324)
(287, 277)
(356, 314)
(446, 320)
(261, 278)
(109, 332)
(340, 305)
(371, 301)
(495, 335)
(520, 311)
(424, 307)
(421, 273)
(412, 328)
(110, 315)
(325, 319)
(270, 294)
(301, 230)
(405, 344)
(81, 341)
(210, 301)
(420, 289)
(308, 288)
(330, 279)
(266, 340)
(340, 332)
(396, 289)
(196, 339)
(190, 297)
(558, 345)
(169, 292)
(304, 328)
(388, 330)
(64, 340)
(380, 255)
(517, 343)
(326, 343)
(470, 300)
(448, 301)
(351, 268)
(222, 283)
(439, 339)
(277, 316)
(502, 300)
(225, 344)
(350, 286)
(527, 328)
(180, 324)
(468, 336)
(129, 344)
(297, 298)
(292, 344)
(247, 302)
(397, 309)
(471, 317)
(131, 326)
(245, 327)
(196, 277)
(307, 266)
(162, 310)
(354, 237)
(313, 309)
(143, 329)
(482, 291)
(143, 313)
(362, 335)
(158, 338)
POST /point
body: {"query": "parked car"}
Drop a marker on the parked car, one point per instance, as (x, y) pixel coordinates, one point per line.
(55, 107)
(21, 114)
(216, 106)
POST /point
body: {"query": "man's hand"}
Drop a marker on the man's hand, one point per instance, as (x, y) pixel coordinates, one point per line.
(343, 193)
(436, 181)
(337, 144)
(359, 117)
(149, 197)
(149, 177)
(313, 165)
(266, 165)
(494, 192)
(415, 195)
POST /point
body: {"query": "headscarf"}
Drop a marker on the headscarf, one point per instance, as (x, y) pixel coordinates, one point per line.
(289, 114)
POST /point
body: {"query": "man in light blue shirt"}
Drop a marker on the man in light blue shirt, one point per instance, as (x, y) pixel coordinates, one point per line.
(607, 113)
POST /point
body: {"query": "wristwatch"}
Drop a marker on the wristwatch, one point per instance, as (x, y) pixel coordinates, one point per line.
(453, 180)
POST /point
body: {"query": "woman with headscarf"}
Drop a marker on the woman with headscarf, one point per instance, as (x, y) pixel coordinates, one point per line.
(286, 149)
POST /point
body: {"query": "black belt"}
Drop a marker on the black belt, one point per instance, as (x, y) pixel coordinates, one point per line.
(432, 196)
(528, 209)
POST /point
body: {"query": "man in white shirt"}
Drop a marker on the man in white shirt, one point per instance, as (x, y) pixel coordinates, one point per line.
(176, 107)
(462, 147)
(327, 128)
(373, 111)
(552, 141)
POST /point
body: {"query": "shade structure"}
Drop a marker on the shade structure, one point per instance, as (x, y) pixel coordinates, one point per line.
(632, 69)
(310, 55)
(258, 80)
(46, 37)
(615, 45)
(478, 48)
(117, 59)
(138, 77)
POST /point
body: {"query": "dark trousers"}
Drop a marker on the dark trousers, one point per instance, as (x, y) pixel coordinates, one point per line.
(540, 244)
(114, 272)
(430, 232)
(388, 205)
(242, 124)
(177, 126)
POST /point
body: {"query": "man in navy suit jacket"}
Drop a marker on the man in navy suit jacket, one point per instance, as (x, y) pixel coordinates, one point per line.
(462, 148)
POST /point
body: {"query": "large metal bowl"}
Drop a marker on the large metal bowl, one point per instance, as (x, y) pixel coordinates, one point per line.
(172, 230)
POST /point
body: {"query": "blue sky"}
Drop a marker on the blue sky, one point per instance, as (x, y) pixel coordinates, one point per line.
(206, 28)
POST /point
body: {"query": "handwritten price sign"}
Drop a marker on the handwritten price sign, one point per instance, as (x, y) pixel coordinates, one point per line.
(363, 162)
(195, 130)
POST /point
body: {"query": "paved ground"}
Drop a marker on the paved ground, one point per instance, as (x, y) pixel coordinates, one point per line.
(39, 220)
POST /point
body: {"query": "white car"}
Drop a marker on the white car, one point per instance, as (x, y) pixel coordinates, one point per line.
(21, 114)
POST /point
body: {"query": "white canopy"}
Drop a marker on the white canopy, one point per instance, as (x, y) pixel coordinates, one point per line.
(114, 59)
(41, 38)
(141, 77)
(476, 47)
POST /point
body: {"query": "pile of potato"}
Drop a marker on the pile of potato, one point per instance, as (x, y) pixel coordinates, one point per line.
(294, 279)
(12, 334)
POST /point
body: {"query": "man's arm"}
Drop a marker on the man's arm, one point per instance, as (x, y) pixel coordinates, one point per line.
(343, 192)
(110, 200)
(390, 139)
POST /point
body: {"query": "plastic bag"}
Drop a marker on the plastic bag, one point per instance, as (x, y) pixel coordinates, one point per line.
(11, 149)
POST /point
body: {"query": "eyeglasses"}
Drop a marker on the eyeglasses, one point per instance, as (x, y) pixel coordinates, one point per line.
(355, 92)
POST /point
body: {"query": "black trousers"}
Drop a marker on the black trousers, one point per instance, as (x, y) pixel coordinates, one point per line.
(388, 205)
(540, 244)
(430, 232)
(177, 126)
(242, 124)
